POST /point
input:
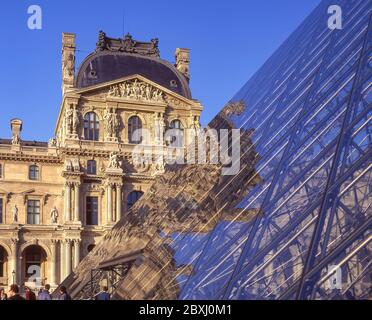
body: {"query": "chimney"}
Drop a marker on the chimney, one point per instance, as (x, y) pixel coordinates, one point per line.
(183, 61)
(16, 127)
(68, 61)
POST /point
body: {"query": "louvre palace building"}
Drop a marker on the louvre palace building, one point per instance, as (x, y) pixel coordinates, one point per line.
(59, 198)
(292, 222)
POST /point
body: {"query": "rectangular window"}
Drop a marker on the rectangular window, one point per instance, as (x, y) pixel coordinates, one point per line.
(34, 173)
(92, 211)
(33, 212)
(1, 210)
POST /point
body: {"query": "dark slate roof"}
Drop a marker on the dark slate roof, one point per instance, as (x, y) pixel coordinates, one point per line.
(112, 61)
(26, 143)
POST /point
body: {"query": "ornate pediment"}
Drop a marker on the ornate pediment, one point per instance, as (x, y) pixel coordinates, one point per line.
(136, 90)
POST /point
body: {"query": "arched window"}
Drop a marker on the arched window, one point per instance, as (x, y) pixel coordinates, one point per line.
(91, 167)
(35, 263)
(91, 127)
(133, 197)
(34, 172)
(3, 261)
(177, 136)
(134, 123)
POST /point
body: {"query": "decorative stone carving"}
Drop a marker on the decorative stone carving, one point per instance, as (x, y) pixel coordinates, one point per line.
(128, 45)
(52, 143)
(234, 108)
(54, 215)
(16, 140)
(136, 90)
(72, 165)
(114, 162)
(76, 165)
(68, 66)
(173, 102)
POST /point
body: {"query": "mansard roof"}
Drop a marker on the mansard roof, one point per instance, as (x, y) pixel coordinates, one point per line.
(118, 58)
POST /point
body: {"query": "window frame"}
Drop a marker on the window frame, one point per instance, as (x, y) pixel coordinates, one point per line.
(180, 140)
(34, 175)
(89, 218)
(91, 133)
(92, 172)
(133, 127)
(32, 215)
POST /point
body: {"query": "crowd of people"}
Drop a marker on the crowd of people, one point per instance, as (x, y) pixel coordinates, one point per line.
(44, 294)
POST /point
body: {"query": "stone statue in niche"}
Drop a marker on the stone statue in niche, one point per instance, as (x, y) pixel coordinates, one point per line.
(109, 123)
(15, 214)
(69, 120)
(75, 121)
(159, 127)
(54, 215)
(112, 123)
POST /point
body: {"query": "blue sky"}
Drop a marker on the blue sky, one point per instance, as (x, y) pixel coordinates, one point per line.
(229, 41)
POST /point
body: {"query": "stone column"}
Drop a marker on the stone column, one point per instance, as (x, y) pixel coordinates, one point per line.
(109, 203)
(77, 202)
(53, 263)
(14, 275)
(68, 201)
(68, 257)
(118, 202)
(76, 253)
(62, 261)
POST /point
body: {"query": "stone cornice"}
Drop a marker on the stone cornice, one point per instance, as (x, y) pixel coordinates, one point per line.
(25, 157)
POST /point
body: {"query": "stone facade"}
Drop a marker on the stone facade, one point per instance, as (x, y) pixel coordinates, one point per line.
(58, 199)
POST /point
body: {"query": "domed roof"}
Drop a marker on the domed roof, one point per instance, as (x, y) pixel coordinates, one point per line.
(118, 58)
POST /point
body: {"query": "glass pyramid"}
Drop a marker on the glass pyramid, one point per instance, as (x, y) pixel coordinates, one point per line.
(309, 108)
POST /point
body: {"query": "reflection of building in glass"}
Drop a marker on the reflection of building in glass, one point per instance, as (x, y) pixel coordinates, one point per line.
(297, 214)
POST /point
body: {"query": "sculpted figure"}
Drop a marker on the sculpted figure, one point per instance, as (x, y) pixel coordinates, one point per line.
(108, 117)
(75, 120)
(16, 139)
(69, 120)
(15, 213)
(54, 215)
(114, 161)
